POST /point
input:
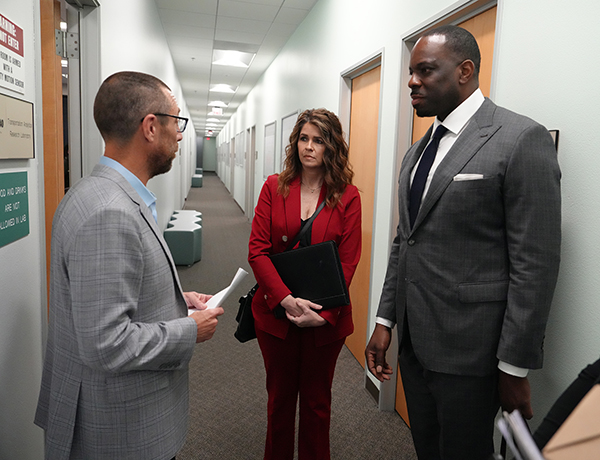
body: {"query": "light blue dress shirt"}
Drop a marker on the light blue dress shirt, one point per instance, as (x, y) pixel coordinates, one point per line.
(145, 194)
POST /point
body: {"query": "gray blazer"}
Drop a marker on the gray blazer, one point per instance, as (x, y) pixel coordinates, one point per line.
(476, 275)
(115, 378)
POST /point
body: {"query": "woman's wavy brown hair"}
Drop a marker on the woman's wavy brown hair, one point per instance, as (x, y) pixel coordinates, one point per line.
(338, 172)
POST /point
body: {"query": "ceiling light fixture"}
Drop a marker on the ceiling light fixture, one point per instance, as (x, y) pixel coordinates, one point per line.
(233, 58)
(217, 104)
(222, 88)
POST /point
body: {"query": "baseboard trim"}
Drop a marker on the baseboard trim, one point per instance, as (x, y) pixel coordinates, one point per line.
(372, 389)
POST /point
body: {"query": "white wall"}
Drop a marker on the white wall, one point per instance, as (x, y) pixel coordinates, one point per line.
(544, 68)
(22, 271)
(543, 44)
(132, 38)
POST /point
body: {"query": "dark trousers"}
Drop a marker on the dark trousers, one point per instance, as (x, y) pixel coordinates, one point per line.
(296, 368)
(565, 404)
(451, 416)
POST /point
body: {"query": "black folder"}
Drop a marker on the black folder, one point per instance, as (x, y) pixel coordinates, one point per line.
(314, 273)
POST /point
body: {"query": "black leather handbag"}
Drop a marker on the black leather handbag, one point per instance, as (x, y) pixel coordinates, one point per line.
(245, 330)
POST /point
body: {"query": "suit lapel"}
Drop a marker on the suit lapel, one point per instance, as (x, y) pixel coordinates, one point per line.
(145, 212)
(479, 130)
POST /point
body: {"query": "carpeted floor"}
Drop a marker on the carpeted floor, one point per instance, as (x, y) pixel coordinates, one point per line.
(227, 379)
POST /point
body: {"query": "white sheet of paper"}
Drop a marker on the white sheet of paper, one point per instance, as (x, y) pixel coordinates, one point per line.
(218, 299)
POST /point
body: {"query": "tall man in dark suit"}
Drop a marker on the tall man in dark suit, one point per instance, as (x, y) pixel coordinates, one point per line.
(115, 380)
(473, 266)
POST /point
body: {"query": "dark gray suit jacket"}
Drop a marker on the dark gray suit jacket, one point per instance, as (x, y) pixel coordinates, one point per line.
(115, 380)
(476, 275)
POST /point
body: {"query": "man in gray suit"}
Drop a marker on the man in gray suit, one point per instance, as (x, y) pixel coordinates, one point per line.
(115, 379)
(473, 266)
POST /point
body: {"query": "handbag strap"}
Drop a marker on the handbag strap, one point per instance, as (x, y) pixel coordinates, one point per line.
(306, 226)
(279, 311)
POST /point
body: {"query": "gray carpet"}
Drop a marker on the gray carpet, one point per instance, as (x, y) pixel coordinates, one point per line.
(227, 379)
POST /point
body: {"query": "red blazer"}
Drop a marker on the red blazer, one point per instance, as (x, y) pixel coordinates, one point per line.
(276, 223)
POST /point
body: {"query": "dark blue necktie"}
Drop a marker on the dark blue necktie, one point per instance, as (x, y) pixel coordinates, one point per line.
(418, 184)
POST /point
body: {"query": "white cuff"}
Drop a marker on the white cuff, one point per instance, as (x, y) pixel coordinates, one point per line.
(385, 322)
(512, 370)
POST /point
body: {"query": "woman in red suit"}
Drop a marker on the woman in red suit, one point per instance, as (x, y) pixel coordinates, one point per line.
(300, 350)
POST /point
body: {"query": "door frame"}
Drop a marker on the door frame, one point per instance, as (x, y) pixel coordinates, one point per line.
(250, 168)
(370, 62)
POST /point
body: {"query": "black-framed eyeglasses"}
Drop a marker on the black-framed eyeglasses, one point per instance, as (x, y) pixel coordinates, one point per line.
(181, 121)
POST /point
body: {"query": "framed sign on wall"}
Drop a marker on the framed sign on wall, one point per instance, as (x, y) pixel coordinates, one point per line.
(16, 128)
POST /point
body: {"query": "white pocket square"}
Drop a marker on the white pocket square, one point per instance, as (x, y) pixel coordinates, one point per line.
(462, 177)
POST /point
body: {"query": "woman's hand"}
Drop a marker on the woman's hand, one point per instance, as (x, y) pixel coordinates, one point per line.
(291, 306)
(309, 317)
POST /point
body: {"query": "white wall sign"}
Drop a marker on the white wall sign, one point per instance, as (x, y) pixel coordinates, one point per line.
(12, 69)
(16, 128)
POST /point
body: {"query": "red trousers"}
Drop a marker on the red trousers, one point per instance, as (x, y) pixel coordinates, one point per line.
(295, 367)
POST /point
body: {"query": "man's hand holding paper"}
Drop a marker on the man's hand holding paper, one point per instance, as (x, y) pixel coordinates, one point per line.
(195, 300)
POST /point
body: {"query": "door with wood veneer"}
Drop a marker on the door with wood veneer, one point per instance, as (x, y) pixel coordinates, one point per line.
(364, 127)
(483, 28)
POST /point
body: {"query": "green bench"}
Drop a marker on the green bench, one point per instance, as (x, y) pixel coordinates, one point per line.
(197, 180)
(184, 237)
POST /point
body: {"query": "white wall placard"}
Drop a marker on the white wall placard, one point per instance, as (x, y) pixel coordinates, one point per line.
(16, 128)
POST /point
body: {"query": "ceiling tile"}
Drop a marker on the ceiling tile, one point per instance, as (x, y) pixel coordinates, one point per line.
(243, 25)
(188, 31)
(264, 2)
(292, 16)
(196, 6)
(187, 18)
(237, 9)
(238, 36)
(301, 4)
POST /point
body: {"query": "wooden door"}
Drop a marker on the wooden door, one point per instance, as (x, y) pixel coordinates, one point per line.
(483, 28)
(54, 180)
(364, 126)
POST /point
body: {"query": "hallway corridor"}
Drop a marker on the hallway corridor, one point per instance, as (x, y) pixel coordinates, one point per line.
(227, 379)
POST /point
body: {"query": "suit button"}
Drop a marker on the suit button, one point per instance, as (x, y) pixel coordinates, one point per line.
(266, 297)
(284, 238)
(411, 242)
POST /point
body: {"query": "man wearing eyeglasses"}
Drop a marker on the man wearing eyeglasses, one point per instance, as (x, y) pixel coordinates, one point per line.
(115, 380)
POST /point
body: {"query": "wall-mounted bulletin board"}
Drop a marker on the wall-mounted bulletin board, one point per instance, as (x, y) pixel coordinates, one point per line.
(16, 128)
(269, 160)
